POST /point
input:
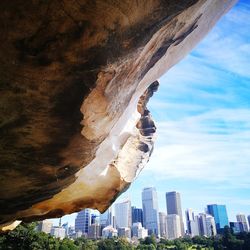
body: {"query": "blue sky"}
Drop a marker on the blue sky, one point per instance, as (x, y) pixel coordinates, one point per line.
(202, 114)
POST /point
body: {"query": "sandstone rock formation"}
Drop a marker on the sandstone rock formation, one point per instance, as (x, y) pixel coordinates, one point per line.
(75, 77)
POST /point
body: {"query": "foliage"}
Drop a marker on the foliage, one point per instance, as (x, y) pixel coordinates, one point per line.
(24, 237)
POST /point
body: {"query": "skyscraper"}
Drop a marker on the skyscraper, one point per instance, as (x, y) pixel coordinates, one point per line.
(241, 218)
(210, 223)
(83, 221)
(45, 226)
(189, 218)
(219, 212)
(192, 223)
(207, 225)
(163, 225)
(150, 210)
(106, 218)
(137, 215)
(173, 202)
(173, 226)
(248, 218)
(123, 214)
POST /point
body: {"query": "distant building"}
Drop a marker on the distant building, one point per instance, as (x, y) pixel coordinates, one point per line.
(58, 232)
(173, 226)
(241, 218)
(83, 221)
(219, 212)
(45, 226)
(94, 219)
(195, 226)
(78, 234)
(192, 223)
(109, 232)
(124, 232)
(137, 215)
(123, 214)
(202, 224)
(71, 231)
(163, 225)
(173, 202)
(236, 227)
(150, 211)
(248, 218)
(189, 217)
(207, 225)
(138, 231)
(211, 227)
(106, 218)
(94, 231)
(66, 227)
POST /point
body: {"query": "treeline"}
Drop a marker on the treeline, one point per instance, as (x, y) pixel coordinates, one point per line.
(25, 237)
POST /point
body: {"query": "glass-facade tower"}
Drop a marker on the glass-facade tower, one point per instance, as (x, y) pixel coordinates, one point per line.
(150, 210)
(137, 215)
(219, 212)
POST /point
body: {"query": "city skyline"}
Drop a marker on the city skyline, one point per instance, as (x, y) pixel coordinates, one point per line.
(117, 220)
(109, 215)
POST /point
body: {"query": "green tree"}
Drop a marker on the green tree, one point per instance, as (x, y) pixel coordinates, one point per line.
(230, 241)
(150, 240)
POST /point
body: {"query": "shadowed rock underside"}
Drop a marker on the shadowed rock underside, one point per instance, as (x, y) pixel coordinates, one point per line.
(75, 77)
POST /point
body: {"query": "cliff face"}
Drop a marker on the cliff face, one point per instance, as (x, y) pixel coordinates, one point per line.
(75, 77)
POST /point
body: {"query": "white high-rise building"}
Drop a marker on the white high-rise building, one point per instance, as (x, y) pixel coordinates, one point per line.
(211, 227)
(207, 226)
(241, 218)
(83, 221)
(123, 214)
(45, 226)
(163, 225)
(58, 232)
(173, 226)
(139, 231)
(192, 223)
(150, 210)
(109, 232)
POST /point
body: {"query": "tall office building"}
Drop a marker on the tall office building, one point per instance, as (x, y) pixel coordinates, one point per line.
(248, 218)
(45, 226)
(137, 215)
(150, 210)
(163, 225)
(123, 214)
(192, 223)
(207, 225)
(106, 219)
(173, 202)
(83, 221)
(189, 218)
(219, 212)
(139, 231)
(173, 226)
(211, 228)
(241, 218)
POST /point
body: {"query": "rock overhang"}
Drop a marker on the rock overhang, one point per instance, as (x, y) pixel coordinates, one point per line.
(75, 80)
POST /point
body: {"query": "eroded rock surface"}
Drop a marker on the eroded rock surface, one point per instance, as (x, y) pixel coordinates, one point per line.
(75, 77)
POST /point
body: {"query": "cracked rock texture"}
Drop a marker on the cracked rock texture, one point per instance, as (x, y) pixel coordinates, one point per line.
(75, 77)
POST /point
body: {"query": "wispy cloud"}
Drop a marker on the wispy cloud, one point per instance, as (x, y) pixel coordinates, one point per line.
(203, 109)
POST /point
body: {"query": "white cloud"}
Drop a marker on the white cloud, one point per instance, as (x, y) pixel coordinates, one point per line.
(196, 148)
